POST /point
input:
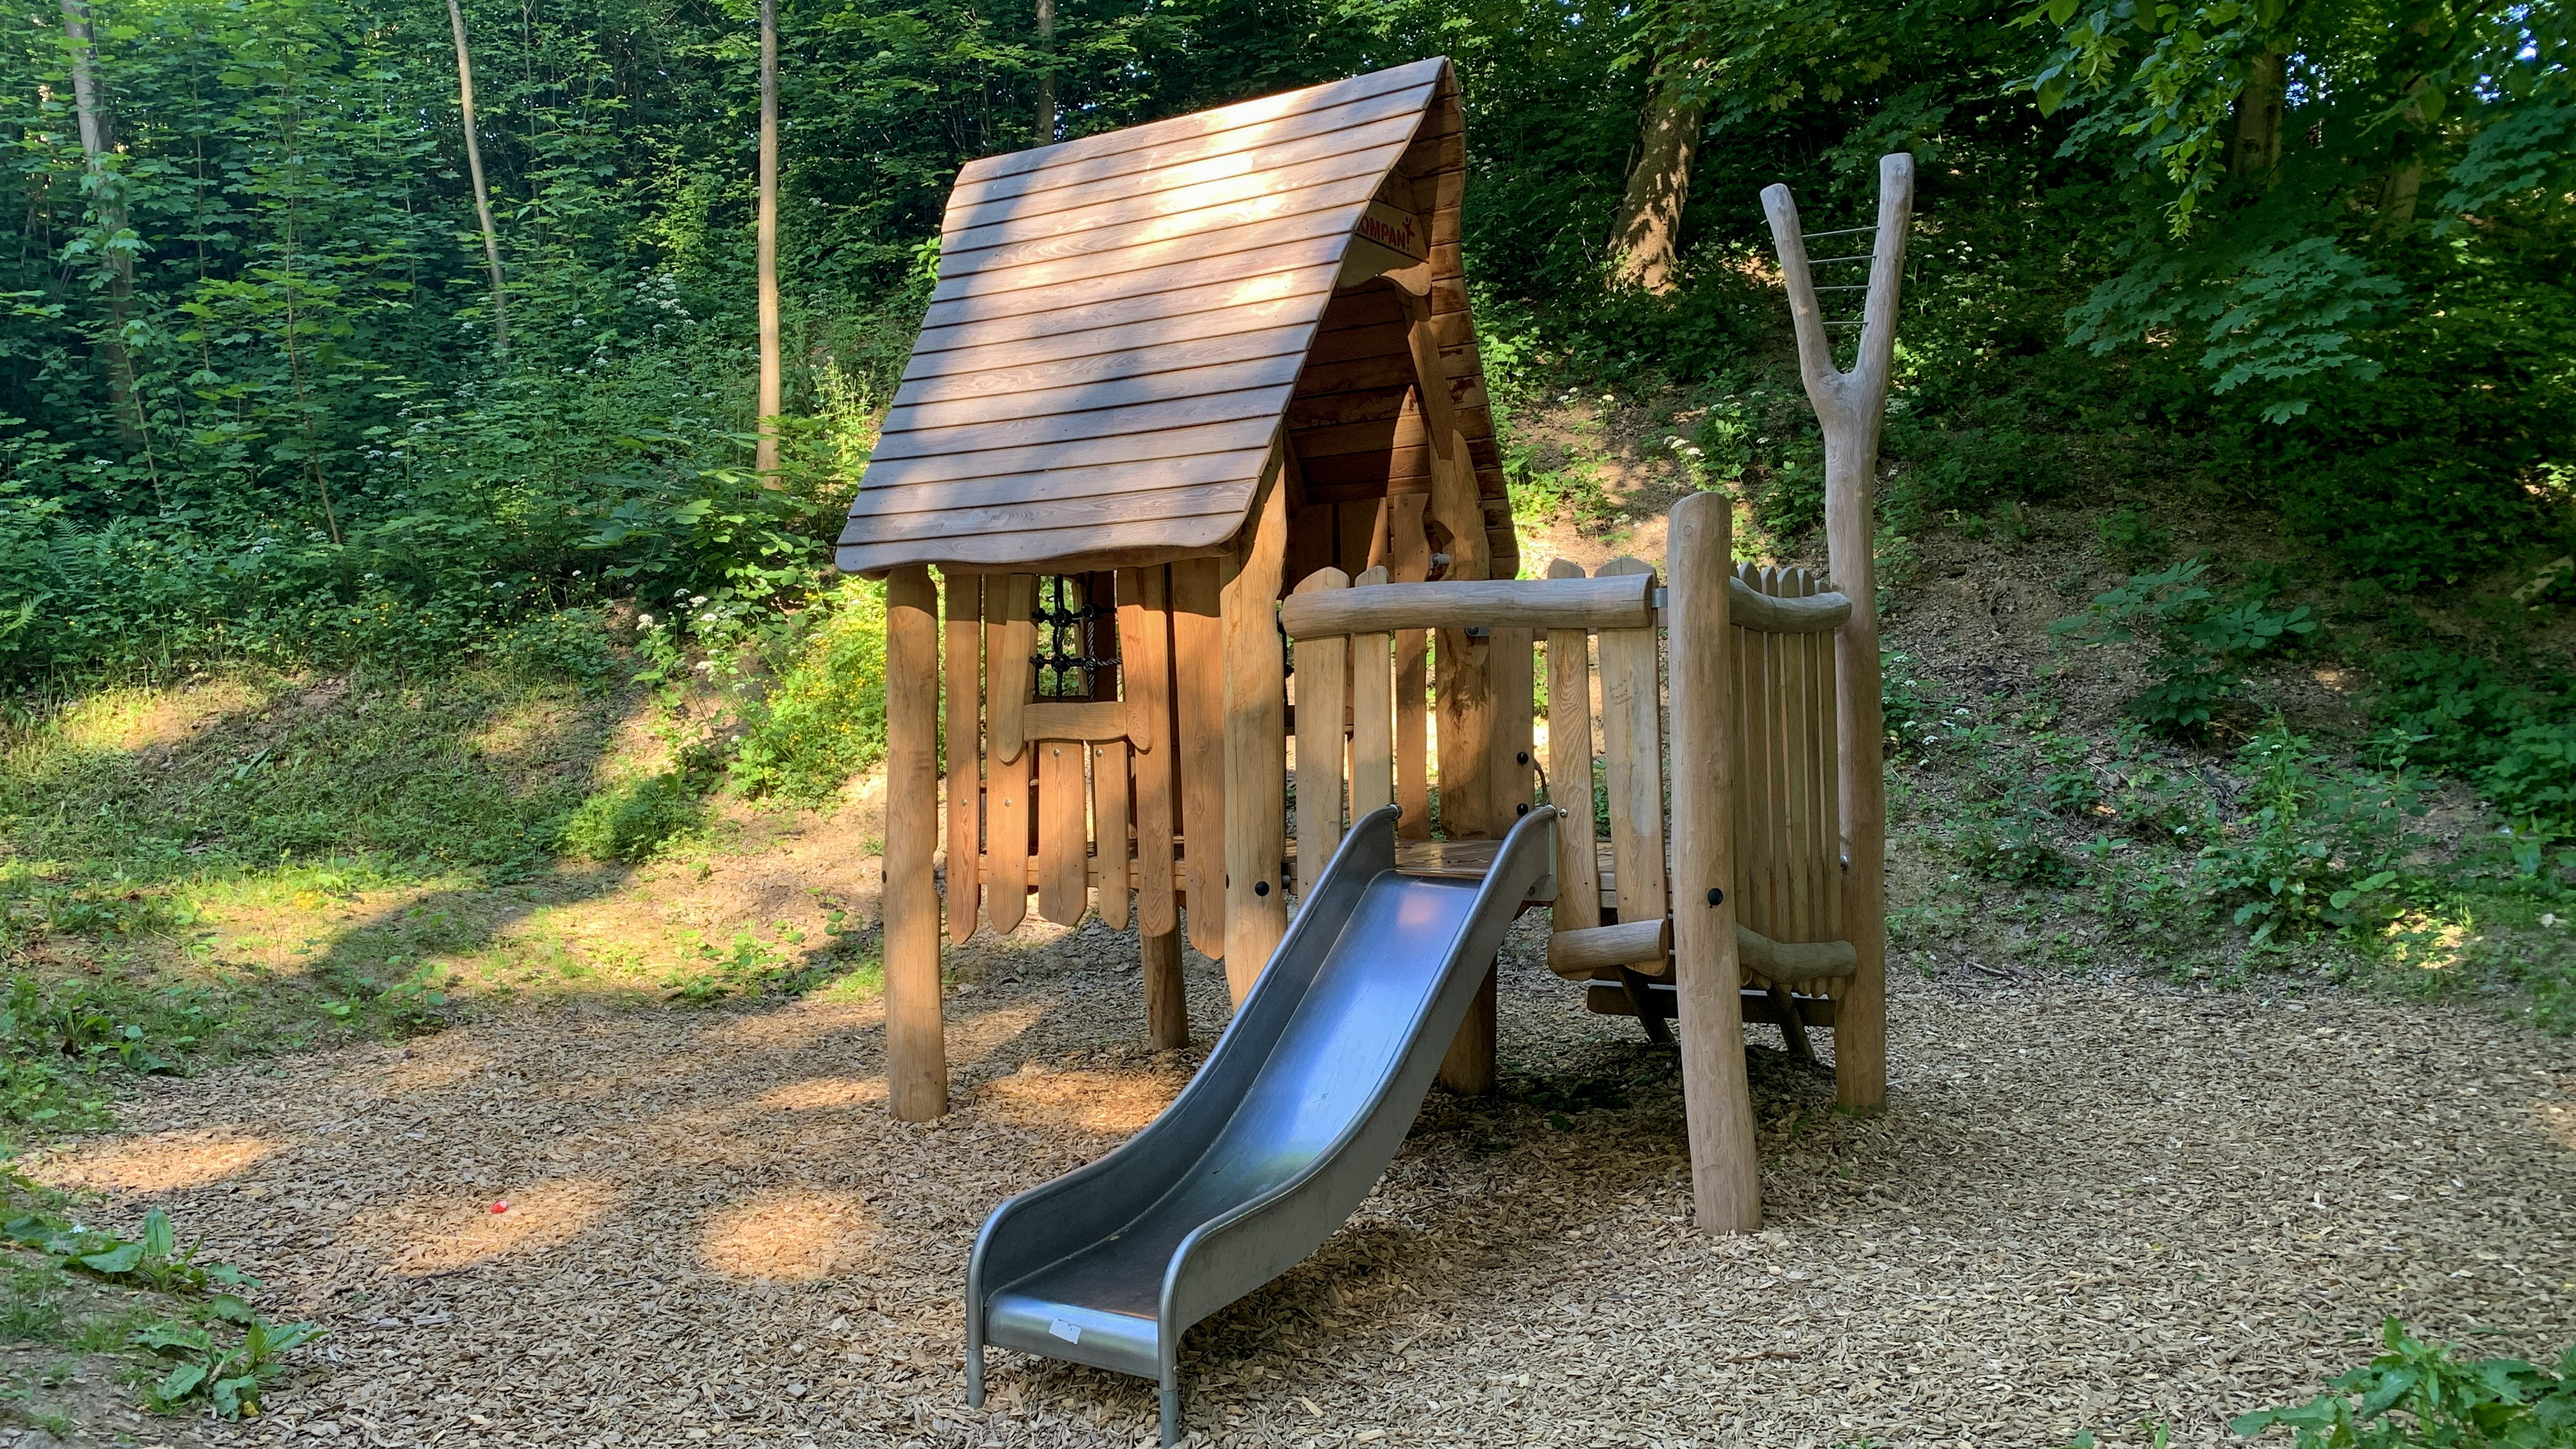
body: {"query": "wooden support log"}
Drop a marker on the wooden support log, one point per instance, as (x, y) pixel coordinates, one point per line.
(916, 1048)
(1145, 653)
(1850, 408)
(1409, 561)
(1726, 1183)
(1611, 602)
(1580, 954)
(1167, 1002)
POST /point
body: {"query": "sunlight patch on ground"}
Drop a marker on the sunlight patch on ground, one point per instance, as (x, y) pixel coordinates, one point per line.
(2557, 1122)
(973, 1038)
(794, 1026)
(793, 1234)
(1104, 1102)
(447, 1235)
(162, 1162)
(433, 1062)
(142, 718)
(824, 1094)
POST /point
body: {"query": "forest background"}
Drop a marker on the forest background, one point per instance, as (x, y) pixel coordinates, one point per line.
(279, 403)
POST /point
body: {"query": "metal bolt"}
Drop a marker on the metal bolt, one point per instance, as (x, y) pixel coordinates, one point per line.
(1521, 809)
(1262, 888)
(1522, 757)
(1716, 896)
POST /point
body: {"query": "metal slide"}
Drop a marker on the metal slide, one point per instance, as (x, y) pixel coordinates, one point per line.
(1298, 1110)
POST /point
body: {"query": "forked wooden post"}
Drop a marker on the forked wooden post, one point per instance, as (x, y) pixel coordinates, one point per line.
(916, 1051)
(1726, 1183)
(1850, 406)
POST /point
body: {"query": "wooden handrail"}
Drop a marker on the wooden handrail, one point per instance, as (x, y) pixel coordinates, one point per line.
(1644, 945)
(1814, 614)
(1619, 602)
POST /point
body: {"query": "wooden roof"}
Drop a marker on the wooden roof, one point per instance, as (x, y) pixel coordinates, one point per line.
(1121, 322)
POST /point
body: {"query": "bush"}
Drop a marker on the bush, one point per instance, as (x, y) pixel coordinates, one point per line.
(2421, 1394)
(632, 820)
(2319, 847)
(2204, 641)
(2535, 777)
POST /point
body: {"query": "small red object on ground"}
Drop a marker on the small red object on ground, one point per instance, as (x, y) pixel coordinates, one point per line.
(501, 1207)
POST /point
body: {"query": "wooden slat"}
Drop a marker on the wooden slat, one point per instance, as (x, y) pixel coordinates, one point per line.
(1245, 125)
(1367, 153)
(1011, 644)
(1009, 639)
(1509, 774)
(1075, 550)
(1798, 822)
(1034, 461)
(1185, 412)
(1320, 700)
(1569, 765)
(1145, 650)
(1307, 140)
(1256, 740)
(1090, 721)
(1760, 863)
(1326, 212)
(1372, 714)
(1409, 561)
(1632, 738)
(1063, 831)
(963, 638)
(1043, 372)
(1829, 795)
(1198, 665)
(1065, 488)
(1052, 402)
(1109, 802)
(1087, 512)
(1273, 289)
(1076, 346)
(1740, 757)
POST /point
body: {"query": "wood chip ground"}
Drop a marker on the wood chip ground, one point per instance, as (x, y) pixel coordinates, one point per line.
(2092, 1206)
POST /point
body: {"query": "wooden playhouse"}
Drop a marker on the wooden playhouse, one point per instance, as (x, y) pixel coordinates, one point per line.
(1192, 460)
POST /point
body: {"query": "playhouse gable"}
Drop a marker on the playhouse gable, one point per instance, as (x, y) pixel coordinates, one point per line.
(1122, 323)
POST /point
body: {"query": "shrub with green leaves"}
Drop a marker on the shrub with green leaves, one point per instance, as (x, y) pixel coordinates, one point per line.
(2416, 1395)
(2205, 641)
(2320, 846)
(630, 820)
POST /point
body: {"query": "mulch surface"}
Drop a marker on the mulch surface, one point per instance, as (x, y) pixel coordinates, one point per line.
(2092, 1206)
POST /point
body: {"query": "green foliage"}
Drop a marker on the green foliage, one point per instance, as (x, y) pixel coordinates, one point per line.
(2534, 778)
(2320, 847)
(2419, 1394)
(2204, 641)
(823, 722)
(633, 819)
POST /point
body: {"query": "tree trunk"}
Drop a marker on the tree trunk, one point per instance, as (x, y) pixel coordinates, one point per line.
(2259, 108)
(1644, 246)
(107, 205)
(1046, 73)
(474, 170)
(770, 379)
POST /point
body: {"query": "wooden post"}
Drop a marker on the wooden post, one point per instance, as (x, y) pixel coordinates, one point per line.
(964, 639)
(1256, 739)
(916, 1049)
(1468, 1068)
(1850, 407)
(1726, 1184)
